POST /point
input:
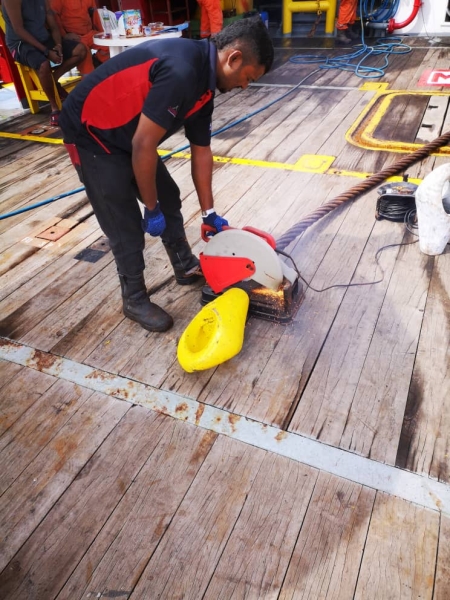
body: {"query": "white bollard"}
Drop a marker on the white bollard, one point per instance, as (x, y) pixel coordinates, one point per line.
(433, 221)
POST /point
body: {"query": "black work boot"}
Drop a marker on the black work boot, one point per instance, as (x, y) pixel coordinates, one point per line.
(342, 38)
(353, 32)
(137, 305)
(185, 265)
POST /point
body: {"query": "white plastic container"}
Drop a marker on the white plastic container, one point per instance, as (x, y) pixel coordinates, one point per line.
(432, 219)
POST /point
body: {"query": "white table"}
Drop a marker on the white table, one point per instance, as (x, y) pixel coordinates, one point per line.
(121, 43)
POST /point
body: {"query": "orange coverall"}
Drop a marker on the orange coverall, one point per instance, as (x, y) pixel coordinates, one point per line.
(347, 13)
(211, 18)
(73, 16)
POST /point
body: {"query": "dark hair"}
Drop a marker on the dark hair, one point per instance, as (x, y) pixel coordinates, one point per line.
(251, 37)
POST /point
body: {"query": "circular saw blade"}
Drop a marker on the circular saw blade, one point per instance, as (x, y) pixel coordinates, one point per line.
(236, 242)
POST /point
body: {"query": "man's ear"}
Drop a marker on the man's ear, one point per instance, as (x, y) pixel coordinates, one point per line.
(235, 59)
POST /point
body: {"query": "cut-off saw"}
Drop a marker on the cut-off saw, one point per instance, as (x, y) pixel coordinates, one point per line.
(247, 258)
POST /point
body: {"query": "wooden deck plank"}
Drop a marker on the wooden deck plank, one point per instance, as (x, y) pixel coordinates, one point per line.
(431, 126)
(74, 522)
(83, 301)
(33, 222)
(326, 560)
(326, 402)
(297, 120)
(35, 189)
(36, 264)
(19, 393)
(203, 524)
(403, 120)
(406, 67)
(24, 440)
(417, 61)
(268, 527)
(400, 552)
(442, 583)
(7, 372)
(374, 423)
(123, 547)
(424, 441)
(66, 275)
(46, 478)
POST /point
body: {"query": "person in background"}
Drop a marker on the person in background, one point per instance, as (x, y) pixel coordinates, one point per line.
(34, 40)
(346, 19)
(78, 20)
(211, 17)
(113, 123)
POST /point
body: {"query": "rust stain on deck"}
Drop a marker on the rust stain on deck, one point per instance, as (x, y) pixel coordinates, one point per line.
(233, 419)
(101, 375)
(436, 500)
(42, 361)
(181, 411)
(198, 414)
(281, 435)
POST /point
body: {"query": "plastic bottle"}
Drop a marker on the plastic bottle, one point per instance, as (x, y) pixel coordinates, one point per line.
(106, 22)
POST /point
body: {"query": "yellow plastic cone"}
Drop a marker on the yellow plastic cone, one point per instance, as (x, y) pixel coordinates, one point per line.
(216, 333)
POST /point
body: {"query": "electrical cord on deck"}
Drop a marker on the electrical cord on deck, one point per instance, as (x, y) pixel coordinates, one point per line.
(354, 61)
(410, 222)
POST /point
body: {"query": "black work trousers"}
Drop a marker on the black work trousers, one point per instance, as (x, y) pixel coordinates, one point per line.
(112, 190)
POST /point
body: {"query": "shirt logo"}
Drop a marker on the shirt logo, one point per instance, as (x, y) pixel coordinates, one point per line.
(173, 110)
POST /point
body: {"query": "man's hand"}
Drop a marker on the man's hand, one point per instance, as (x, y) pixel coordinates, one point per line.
(153, 222)
(213, 220)
(55, 57)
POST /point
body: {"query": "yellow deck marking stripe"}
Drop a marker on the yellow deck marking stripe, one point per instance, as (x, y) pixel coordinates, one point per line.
(362, 135)
(308, 163)
(31, 138)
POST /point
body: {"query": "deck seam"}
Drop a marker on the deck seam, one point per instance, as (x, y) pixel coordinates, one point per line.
(413, 487)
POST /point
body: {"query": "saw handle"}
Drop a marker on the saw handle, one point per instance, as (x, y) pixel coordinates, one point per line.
(211, 230)
(263, 234)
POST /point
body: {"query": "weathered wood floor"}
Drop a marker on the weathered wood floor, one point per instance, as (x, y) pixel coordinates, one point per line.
(103, 497)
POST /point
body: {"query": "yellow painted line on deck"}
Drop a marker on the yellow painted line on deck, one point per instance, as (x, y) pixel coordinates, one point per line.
(307, 163)
(361, 133)
(31, 138)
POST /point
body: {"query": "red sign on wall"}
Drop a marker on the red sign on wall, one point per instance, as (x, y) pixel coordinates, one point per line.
(438, 78)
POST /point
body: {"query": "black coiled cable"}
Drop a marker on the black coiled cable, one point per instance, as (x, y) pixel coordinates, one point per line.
(394, 208)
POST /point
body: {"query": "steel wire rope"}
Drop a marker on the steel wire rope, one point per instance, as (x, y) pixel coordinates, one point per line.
(361, 188)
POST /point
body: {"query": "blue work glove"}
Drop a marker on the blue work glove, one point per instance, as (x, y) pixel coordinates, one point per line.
(153, 222)
(213, 220)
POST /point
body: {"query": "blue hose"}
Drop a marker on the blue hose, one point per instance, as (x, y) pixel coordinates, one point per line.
(385, 10)
(22, 210)
(354, 61)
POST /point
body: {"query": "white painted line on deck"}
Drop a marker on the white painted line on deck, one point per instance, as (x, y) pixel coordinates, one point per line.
(310, 87)
(406, 485)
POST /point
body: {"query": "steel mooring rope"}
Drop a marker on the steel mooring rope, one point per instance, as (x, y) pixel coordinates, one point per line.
(361, 188)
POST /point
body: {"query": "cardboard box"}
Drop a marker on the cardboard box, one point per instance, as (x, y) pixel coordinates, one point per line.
(132, 22)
